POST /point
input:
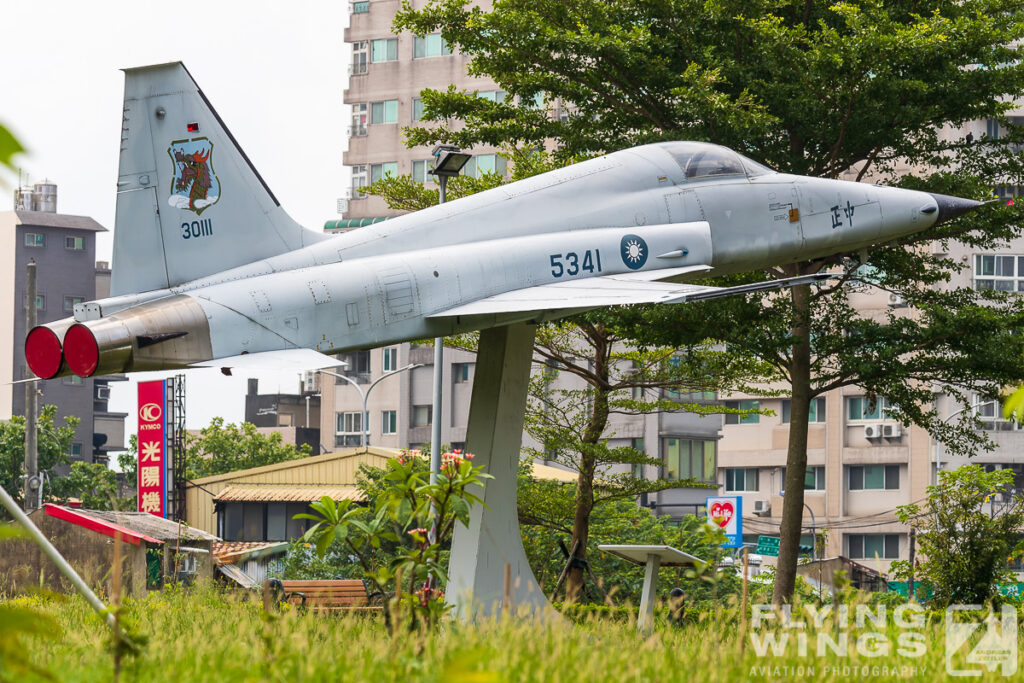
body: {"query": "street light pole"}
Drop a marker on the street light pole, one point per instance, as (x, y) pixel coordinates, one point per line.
(448, 162)
(365, 395)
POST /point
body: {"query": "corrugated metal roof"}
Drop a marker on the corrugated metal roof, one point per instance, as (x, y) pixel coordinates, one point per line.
(541, 471)
(230, 552)
(298, 463)
(151, 525)
(236, 574)
(283, 493)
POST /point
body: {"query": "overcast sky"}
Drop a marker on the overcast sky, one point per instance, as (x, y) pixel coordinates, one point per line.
(275, 71)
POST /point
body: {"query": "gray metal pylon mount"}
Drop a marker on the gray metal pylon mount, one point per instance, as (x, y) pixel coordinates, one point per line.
(494, 436)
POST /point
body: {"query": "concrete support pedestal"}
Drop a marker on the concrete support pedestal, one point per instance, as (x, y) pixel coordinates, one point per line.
(494, 436)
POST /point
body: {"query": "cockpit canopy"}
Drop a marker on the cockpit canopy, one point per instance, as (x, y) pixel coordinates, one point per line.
(700, 160)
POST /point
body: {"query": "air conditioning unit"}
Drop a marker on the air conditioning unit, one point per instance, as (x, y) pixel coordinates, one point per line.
(896, 300)
(762, 508)
(872, 431)
(892, 431)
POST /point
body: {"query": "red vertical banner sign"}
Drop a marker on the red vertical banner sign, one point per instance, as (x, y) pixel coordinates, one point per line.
(152, 439)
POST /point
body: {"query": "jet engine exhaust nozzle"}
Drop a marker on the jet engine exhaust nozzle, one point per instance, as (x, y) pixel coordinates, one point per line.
(84, 351)
(43, 352)
(159, 335)
(952, 207)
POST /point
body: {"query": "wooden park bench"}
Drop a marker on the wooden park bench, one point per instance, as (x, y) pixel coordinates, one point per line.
(326, 595)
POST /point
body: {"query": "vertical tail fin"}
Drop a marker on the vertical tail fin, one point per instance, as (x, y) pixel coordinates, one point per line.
(189, 202)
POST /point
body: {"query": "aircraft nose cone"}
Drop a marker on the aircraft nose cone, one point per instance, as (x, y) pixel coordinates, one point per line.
(950, 207)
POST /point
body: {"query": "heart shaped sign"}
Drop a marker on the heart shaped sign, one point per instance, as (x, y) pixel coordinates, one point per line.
(722, 513)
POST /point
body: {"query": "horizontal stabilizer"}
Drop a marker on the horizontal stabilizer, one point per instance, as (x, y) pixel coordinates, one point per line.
(612, 290)
(297, 360)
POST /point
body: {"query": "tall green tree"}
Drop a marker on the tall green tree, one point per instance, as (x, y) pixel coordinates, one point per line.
(966, 548)
(220, 448)
(54, 444)
(572, 420)
(94, 484)
(815, 88)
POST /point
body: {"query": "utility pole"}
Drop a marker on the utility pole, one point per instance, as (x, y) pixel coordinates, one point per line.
(913, 552)
(32, 481)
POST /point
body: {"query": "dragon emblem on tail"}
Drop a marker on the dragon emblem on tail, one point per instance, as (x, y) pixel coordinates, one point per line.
(194, 186)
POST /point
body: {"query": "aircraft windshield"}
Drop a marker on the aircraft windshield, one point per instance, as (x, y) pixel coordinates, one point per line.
(703, 160)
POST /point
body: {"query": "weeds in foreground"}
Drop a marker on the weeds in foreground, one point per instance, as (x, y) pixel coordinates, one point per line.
(207, 633)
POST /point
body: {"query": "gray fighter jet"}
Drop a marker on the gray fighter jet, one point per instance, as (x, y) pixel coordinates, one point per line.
(208, 269)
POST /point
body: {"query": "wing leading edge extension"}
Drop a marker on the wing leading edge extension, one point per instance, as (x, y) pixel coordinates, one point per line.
(612, 290)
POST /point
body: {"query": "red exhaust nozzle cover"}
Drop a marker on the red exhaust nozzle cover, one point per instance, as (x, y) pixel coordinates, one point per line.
(81, 351)
(42, 352)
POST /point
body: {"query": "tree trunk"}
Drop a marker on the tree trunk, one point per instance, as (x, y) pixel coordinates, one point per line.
(796, 459)
(588, 462)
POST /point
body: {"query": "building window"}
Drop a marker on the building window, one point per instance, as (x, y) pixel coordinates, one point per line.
(359, 120)
(359, 178)
(72, 380)
(381, 171)
(76, 450)
(349, 429)
(262, 521)
(358, 364)
(492, 95)
(74, 243)
(999, 273)
(384, 50)
(70, 302)
(990, 413)
(870, 546)
(814, 479)
(389, 422)
(741, 479)
(40, 301)
(684, 396)
(390, 359)
(360, 57)
(35, 239)
(421, 171)
(815, 414)
(421, 415)
(1007, 192)
(637, 469)
(462, 372)
(384, 112)
(686, 458)
(535, 102)
(874, 477)
(749, 419)
(860, 408)
(430, 46)
(361, 7)
(417, 109)
(485, 163)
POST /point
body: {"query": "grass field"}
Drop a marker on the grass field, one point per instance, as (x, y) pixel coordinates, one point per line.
(203, 634)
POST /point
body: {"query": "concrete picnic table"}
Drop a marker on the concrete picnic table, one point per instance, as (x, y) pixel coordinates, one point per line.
(654, 557)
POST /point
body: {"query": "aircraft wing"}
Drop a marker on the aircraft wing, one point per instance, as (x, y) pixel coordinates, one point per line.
(612, 290)
(284, 359)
